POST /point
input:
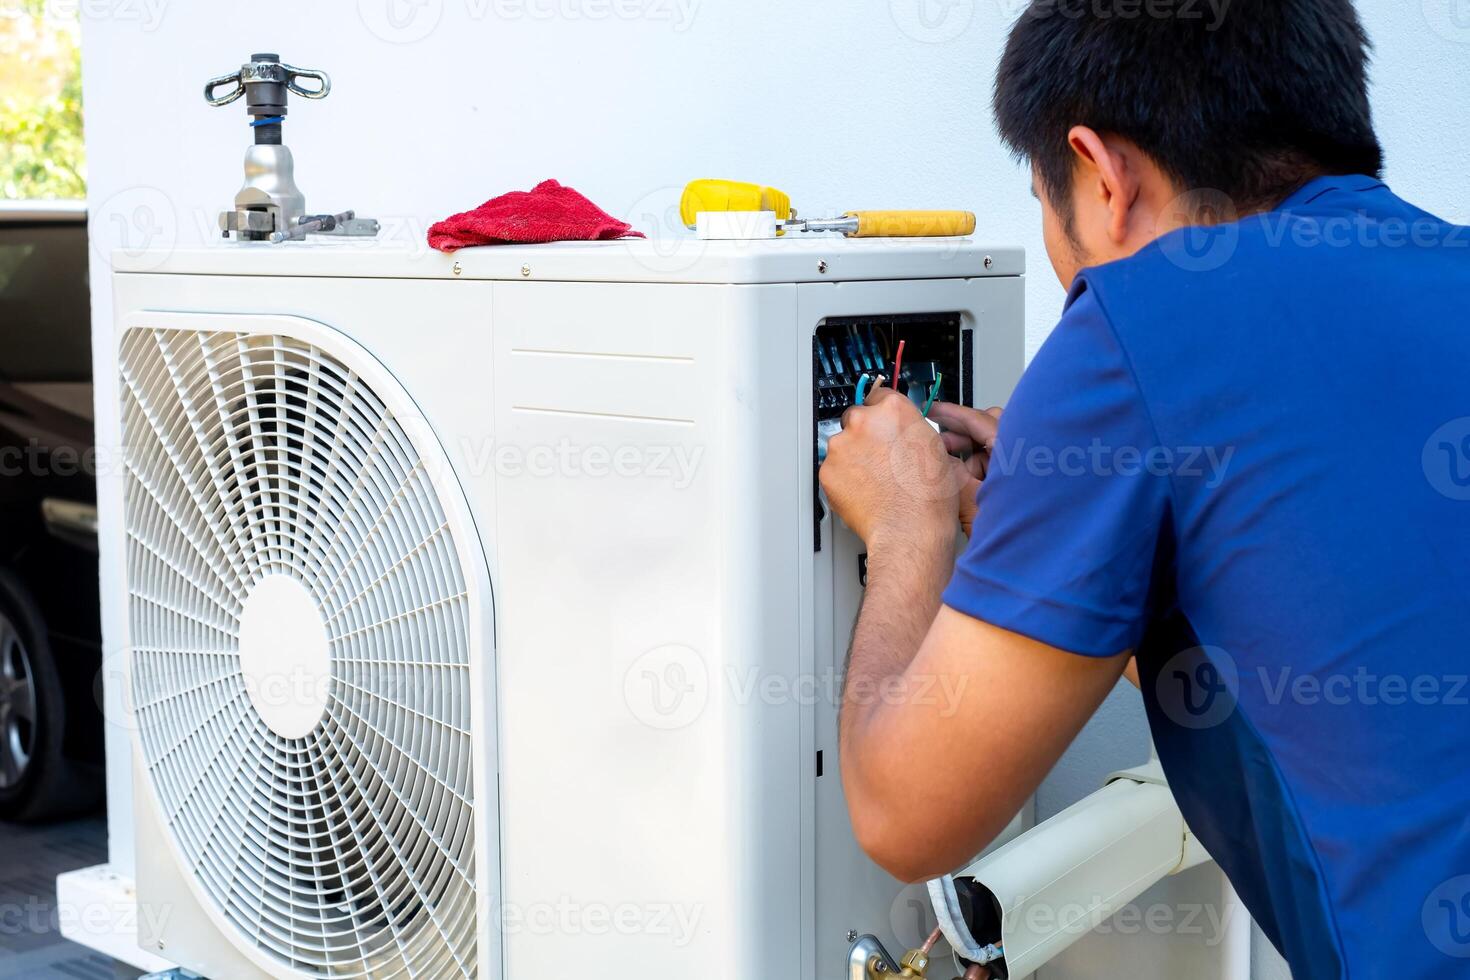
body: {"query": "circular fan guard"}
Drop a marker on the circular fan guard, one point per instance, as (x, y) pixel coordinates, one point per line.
(350, 851)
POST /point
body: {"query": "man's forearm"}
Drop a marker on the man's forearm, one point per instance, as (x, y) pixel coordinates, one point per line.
(906, 574)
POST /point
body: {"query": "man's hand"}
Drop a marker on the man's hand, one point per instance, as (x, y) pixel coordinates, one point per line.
(970, 437)
(970, 434)
(887, 472)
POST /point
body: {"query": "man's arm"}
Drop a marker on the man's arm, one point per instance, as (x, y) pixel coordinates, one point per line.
(932, 778)
(948, 723)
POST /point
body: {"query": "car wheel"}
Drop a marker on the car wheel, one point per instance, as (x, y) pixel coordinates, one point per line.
(36, 780)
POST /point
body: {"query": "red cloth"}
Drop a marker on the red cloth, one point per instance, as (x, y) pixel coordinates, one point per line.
(548, 212)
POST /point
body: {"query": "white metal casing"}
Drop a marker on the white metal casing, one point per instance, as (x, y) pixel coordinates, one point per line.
(631, 428)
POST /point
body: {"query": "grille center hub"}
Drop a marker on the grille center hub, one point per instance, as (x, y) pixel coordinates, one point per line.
(285, 656)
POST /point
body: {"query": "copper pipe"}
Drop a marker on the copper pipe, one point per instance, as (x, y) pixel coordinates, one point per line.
(977, 972)
(933, 938)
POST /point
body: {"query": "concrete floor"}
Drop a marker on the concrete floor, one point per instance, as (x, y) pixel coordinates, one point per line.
(30, 859)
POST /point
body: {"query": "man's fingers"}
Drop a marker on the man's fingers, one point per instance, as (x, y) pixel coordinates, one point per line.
(958, 444)
(979, 426)
(969, 486)
(877, 396)
(874, 398)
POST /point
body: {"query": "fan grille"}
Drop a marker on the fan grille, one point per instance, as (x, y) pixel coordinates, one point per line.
(350, 851)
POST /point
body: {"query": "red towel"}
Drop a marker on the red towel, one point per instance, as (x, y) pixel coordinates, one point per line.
(548, 212)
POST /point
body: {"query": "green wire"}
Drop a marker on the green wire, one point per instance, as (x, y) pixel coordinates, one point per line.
(933, 394)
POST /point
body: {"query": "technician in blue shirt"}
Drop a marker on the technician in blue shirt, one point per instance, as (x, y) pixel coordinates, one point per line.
(1243, 456)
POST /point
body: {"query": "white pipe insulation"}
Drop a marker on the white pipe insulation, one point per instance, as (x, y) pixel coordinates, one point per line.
(1053, 885)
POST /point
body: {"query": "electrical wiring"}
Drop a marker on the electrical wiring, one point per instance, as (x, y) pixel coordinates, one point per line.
(862, 387)
(898, 363)
(933, 394)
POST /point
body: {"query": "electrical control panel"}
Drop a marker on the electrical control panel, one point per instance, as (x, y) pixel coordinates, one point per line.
(957, 340)
(926, 357)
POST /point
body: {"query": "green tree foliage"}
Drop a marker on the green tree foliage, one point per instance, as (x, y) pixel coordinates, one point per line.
(41, 152)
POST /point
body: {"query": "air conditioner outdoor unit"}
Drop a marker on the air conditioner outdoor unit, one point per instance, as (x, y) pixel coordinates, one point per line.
(482, 613)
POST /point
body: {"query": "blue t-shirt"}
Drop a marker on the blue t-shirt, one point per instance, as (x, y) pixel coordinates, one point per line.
(1244, 453)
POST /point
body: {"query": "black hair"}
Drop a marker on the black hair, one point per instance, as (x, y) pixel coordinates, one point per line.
(1250, 98)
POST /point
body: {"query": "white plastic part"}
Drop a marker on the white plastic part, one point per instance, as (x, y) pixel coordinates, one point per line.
(285, 656)
(636, 460)
(308, 619)
(660, 259)
(1235, 947)
(1061, 880)
(97, 907)
(734, 225)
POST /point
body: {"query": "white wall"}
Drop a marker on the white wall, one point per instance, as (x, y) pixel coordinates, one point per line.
(439, 104)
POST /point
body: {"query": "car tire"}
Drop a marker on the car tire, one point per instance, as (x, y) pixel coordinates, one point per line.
(37, 781)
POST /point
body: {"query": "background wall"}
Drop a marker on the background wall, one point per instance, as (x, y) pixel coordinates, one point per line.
(439, 104)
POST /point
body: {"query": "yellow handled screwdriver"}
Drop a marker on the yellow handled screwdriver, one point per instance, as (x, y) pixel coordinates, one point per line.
(733, 195)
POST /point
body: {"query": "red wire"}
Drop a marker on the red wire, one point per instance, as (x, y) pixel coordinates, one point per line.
(898, 363)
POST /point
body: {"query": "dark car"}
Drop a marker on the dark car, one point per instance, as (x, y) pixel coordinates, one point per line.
(51, 756)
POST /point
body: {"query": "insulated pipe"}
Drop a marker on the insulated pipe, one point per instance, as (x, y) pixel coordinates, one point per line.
(1235, 948)
(1045, 890)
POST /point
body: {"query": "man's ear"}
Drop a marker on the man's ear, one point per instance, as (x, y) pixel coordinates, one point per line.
(1104, 171)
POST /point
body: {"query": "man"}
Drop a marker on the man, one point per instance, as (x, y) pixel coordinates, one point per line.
(1241, 456)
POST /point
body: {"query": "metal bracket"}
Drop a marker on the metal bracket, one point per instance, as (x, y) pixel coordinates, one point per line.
(865, 950)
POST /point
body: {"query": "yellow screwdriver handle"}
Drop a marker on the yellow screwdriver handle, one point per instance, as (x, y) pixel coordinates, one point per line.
(730, 195)
(913, 224)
